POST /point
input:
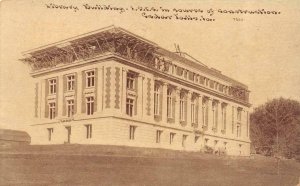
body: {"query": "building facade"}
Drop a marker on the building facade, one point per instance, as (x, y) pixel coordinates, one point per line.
(113, 87)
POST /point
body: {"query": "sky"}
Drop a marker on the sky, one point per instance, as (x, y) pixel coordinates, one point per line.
(261, 51)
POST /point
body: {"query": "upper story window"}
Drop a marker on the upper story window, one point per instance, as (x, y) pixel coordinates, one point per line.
(182, 107)
(193, 110)
(52, 86)
(130, 81)
(70, 107)
(224, 117)
(90, 105)
(169, 104)
(215, 114)
(90, 78)
(205, 112)
(239, 114)
(238, 130)
(52, 111)
(129, 106)
(70, 82)
(156, 99)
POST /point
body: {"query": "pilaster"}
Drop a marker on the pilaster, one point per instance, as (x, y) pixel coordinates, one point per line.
(79, 93)
(140, 111)
(42, 100)
(200, 112)
(60, 94)
(210, 119)
(177, 105)
(124, 91)
(100, 89)
(188, 109)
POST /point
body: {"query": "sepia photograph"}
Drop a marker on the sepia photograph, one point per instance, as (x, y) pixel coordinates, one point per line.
(150, 93)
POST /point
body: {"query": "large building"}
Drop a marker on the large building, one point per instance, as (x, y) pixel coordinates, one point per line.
(113, 87)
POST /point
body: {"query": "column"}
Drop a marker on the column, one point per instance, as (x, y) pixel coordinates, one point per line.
(42, 99)
(177, 105)
(140, 96)
(200, 116)
(248, 124)
(233, 120)
(210, 119)
(219, 122)
(164, 103)
(79, 93)
(124, 91)
(60, 94)
(188, 109)
(100, 89)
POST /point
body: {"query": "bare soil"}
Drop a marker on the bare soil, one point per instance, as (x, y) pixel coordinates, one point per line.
(111, 165)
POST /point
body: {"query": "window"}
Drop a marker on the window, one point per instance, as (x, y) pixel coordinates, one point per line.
(206, 141)
(169, 104)
(50, 131)
(172, 135)
(205, 112)
(129, 107)
(224, 117)
(184, 137)
(130, 80)
(70, 82)
(88, 131)
(215, 114)
(239, 114)
(90, 105)
(238, 130)
(158, 134)
(90, 79)
(131, 132)
(52, 86)
(182, 107)
(52, 110)
(156, 99)
(70, 107)
(193, 111)
(196, 139)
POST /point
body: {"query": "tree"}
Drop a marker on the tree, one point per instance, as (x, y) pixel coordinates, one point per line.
(275, 128)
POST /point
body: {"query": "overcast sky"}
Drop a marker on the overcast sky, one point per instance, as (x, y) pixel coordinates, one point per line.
(261, 51)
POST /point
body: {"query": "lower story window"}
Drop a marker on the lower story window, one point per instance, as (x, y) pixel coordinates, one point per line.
(50, 131)
(88, 131)
(196, 139)
(158, 134)
(172, 135)
(132, 132)
(184, 137)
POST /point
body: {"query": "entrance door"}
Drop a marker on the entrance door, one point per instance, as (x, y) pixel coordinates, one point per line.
(68, 134)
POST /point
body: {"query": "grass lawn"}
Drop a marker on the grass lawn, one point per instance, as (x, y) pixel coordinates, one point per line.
(109, 165)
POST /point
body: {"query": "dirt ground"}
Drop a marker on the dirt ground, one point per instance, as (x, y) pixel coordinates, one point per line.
(107, 165)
